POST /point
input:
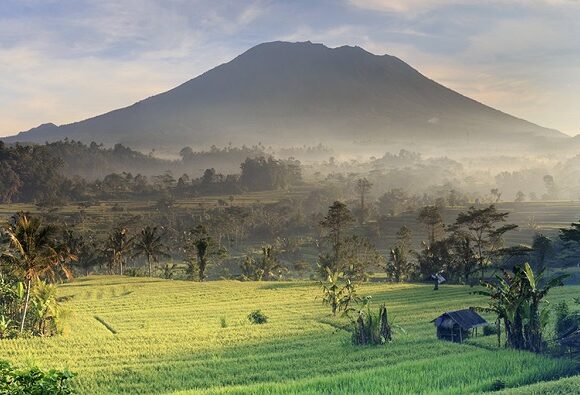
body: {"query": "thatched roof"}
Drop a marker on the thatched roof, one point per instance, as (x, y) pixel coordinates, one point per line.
(466, 319)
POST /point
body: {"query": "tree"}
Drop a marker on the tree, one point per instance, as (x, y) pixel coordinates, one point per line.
(202, 243)
(399, 265)
(149, 243)
(542, 246)
(482, 227)
(335, 223)
(31, 254)
(431, 217)
(362, 188)
(204, 248)
(117, 247)
(393, 202)
(433, 258)
(338, 292)
(359, 253)
(552, 192)
(515, 298)
(520, 196)
(463, 260)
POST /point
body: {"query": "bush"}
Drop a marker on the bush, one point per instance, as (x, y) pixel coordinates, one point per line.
(370, 328)
(257, 317)
(489, 330)
(33, 381)
(497, 385)
(566, 322)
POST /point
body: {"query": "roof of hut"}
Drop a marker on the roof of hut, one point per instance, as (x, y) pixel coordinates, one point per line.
(466, 319)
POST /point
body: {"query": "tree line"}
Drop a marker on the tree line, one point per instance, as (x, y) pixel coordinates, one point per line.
(36, 173)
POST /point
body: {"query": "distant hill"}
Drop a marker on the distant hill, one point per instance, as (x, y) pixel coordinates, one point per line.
(282, 93)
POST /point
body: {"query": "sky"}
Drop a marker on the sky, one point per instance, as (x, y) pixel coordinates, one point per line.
(66, 60)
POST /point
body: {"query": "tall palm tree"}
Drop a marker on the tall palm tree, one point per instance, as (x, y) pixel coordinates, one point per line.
(117, 247)
(32, 254)
(149, 243)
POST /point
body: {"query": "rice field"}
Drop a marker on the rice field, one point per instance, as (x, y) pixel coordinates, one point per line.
(150, 336)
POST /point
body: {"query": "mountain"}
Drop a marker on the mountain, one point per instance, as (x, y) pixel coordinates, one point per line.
(282, 93)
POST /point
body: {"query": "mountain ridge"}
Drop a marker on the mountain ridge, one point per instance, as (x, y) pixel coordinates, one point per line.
(286, 93)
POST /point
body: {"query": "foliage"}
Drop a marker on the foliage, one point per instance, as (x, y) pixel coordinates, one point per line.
(30, 173)
(118, 246)
(338, 292)
(335, 223)
(257, 317)
(265, 266)
(362, 188)
(32, 255)
(149, 243)
(169, 340)
(567, 326)
(33, 381)
(482, 227)
(259, 174)
(370, 328)
(516, 298)
(360, 255)
(399, 265)
(431, 217)
(202, 245)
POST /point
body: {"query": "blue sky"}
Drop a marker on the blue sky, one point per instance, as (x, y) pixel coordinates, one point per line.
(66, 60)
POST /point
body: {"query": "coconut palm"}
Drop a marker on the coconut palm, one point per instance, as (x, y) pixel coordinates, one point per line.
(149, 243)
(32, 254)
(117, 247)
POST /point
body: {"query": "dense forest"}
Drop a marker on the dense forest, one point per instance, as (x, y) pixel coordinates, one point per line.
(41, 174)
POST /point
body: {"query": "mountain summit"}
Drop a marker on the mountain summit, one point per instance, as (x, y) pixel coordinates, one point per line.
(302, 93)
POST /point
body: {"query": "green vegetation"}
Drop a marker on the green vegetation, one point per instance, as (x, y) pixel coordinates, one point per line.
(170, 339)
(516, 299)
(257, 317)
(33, 381)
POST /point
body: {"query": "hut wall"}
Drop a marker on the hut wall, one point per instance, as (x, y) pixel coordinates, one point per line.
(454, 334)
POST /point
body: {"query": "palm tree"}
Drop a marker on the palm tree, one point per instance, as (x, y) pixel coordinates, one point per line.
(32, 254)
(149, 243)
(117, 247)
(268, 265)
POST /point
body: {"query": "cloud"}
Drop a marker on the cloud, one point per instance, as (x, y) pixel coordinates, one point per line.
(420, 6)
(94, 58)
(62, 61)
(404, 6)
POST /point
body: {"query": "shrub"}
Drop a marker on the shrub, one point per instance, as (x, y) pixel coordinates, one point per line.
(370, 328)
(33, 381)
(497, 385)
(489, 330)
(566, 322)
(257, 317)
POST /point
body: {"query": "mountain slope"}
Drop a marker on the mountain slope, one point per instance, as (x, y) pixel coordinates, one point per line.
(302, 93)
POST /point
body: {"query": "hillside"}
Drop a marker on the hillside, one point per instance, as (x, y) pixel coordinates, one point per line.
(140, 335)
(283, 93)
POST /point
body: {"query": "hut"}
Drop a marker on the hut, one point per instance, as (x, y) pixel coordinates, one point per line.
(457, 326)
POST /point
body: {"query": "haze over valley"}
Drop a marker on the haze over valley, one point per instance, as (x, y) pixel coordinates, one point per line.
(358, 197)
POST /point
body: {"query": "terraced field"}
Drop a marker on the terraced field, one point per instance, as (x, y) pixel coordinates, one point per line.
(136, 335)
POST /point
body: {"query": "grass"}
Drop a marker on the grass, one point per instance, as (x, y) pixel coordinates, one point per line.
(170, 339)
